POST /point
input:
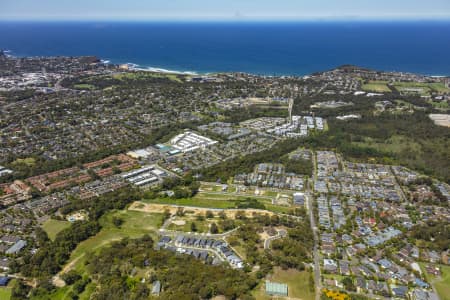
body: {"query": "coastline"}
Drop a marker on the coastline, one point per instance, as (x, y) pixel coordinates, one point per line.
(158, 69)
(264, 49)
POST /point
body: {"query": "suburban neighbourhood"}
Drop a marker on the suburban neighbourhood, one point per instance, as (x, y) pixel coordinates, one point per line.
(227, 169)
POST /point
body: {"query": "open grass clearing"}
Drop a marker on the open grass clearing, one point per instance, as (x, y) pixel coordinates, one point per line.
(443, 105)
(53, 227)
(203, 203)
(144, 75)
(434, 86)
(376, 86)
(214, 203)
(84, 86)
(423, 88)
(29, 161)
(202, 226)
(58, 294)
(439, 87)
(135, 224)
(151, 207)
(396, 144)
(5, 293)
(440, 283)
(298, 284)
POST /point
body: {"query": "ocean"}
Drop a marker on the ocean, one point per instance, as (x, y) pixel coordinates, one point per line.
(283, 48)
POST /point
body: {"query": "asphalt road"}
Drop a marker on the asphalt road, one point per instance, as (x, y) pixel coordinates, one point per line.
(281, 233)
(316, 255)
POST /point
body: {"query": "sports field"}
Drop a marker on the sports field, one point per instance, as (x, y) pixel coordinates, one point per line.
(376, 86)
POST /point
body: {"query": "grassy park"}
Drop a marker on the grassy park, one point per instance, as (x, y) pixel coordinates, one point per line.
(376, 86)
(5, 293)
(219, 201)
(423, 88)
(53, 227)
(135, 224)
(144, 75)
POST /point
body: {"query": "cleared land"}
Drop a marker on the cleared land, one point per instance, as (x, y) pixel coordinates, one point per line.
(212, 196)
(161, 207)
(439, 87)
(441, 119)
(396, 144)
(135, 224)
(442, 105)
(201, 225)
(5, 293)
(298, 284)
(29, 161)
(215, 201)
(143, 75)
(53, 227)
(376, 86)
(84, 86)
(421, 88)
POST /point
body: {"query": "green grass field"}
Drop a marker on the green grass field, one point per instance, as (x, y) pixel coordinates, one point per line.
(427, 88)
(84, 86)
(439, 104)
(143, 75)
(215, 201)
(298, 284)
(395, 144)
(58, 294)
(53, 227)
(439, 87)
(376, 86)
(202, 226)
(442, 283)
(135, 224)
(223, 204)
(29, 161)
(5, 293)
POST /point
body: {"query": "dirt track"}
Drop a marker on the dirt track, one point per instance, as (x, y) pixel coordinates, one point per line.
(160, 208)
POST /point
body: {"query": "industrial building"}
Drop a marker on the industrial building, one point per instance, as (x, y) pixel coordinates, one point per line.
(145, 176)
(190, 141)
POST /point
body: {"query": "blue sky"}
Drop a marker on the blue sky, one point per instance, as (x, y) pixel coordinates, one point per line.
(223, 9)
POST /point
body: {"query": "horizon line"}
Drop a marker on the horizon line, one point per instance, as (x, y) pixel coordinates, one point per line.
(441, 18)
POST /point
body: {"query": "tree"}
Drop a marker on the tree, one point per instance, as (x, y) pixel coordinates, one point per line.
(209, 214)
(19, 290)
(240, 215)
(180, 212)
(193, 227)
(222, 215)
(166, 214)
(71, 277)
(348, 284)
(214, 229)
(117, 221)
